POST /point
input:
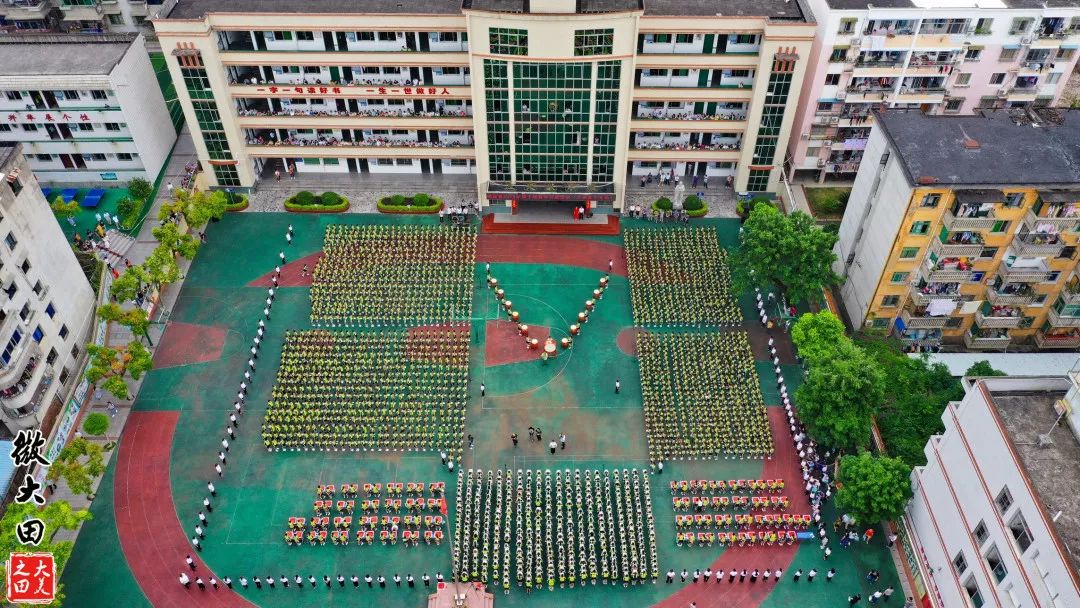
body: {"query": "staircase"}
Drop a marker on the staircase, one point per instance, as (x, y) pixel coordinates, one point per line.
(119, 244)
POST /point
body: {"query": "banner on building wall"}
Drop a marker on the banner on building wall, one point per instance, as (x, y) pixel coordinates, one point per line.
(292, 91)
(108, 177)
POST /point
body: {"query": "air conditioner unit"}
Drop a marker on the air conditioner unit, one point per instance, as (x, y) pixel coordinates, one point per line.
(856, 42)
(1025, 40)
(826, 142)
(805, 135)
(821, 162)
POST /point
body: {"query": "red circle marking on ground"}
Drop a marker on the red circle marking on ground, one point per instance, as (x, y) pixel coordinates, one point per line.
(783, 465)
(291, 273)
(151, 538)
(568, 251)
(503, 344)
(187, 343)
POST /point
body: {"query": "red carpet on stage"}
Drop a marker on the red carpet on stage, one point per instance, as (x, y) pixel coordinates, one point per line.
(611, 228)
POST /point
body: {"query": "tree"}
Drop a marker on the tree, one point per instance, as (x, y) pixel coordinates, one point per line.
(140, 189)
(840, 396)
(57, 515)
(788, 251)
(110, 365)
(134, 319)
(873, 488)
(64, 210)
(160, 267)
(817, 335)
(983, 368)
(168, 234)
(126, 287)
(77, 472)
(197, 208)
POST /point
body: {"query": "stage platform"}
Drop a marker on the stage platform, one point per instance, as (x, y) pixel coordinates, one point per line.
(597, 225)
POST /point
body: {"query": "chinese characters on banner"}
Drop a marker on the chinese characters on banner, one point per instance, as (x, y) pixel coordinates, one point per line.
(288, 91)
(47, 117)
(31, 578)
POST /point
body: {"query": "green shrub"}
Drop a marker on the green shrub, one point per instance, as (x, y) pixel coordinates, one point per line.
(96, 424)
(421, 200)
(663, 203)
(330, 199)
(832, 228)
(693, 203)
(129, 209)
(140, 189)
(304, 198)
(830, 206)
(239, 202)
(397, 200)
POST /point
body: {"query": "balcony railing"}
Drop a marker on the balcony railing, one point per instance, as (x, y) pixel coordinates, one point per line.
(945, 275)
(1045, 340)
(1070, 297)
(380, 113)
(924, 299)
(665, 115)
(988, 343)
(947, 250)
(1024, 275)
(990, 321)
(954, 223)
(1036, 245)
(922, 322)
(1062, 224)
(1009, 299)
(1057, 319)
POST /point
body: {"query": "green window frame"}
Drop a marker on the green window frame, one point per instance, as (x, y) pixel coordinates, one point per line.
(758, 180)
(1000, 226)
(899, 277)
(508, 41)
(890, 301)
(593, 42)
(227, 176)
(920, 228)
(909, 253)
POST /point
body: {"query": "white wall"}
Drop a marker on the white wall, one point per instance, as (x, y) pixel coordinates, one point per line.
(874, 213)
(144, 109)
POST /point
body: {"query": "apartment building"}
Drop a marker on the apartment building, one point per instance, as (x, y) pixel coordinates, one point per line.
(994, 519)
(938, 56)
(552, 99)
(87, 108)
(76, 16)
(46, 304)
(963, 230)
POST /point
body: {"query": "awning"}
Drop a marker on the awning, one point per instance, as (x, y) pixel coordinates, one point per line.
(1010, 46)
(1059, 196)
(990, 195)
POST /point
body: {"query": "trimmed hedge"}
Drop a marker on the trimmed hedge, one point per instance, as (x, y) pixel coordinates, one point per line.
(662, 204)
(306, 202)
(240, 202)
(416, 204)
(692, 205)
(96, 424)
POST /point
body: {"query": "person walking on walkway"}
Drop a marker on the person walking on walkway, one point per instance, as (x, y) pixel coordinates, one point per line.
(552, 446)
(618, 385)
(514, 438)
(185, 580)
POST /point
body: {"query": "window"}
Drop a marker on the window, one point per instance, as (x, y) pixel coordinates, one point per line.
(1064, 54)
(280, 36)
(13, 95)
(899, 277)
(832, 79)
(847, 25)
(963, 79)
(386, 36)
(64, 373)
(909, 253)
(365, 36)
(29, 128)
(973, 53)
(124, 156)
(997, 78)
(953, 104)
(115, 19)
(997, 566)
(983, 26)
(37, 287)
(50, 310)
(63, 332)
(1021, 533)
(973, 593)
(960, 563)
(1053, 78)
(1000, 226)
(980, 533)
(308, 36)
(599, 42)
(920, 227)
(684, 38)
(507, 41)
(1020, 25)
(1008, 55)
(880, 323)
(5, 128)
(839, 53)
(99, 95)
(74, 351)
(11, 241)
(930, 200)
(112, 126)
(85, 126)
(38, 335)
(890, 301)
(71, 95)
(385, 161)
(954, 322)
(51, 357)
(661, 38)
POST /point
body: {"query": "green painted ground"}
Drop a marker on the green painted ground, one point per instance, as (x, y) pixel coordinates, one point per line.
(572, 394)
(86, 219)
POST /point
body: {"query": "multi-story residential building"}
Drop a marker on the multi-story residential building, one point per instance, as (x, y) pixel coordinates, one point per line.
(76, 16)
(994, 519)
(569, 97)
(46, 304)
(939, 56)
(87, 108)
(963, 229)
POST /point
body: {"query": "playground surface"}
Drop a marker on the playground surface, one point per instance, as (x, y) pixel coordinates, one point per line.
(133, 550)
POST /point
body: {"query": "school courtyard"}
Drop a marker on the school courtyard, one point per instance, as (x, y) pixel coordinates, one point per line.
(145, 512)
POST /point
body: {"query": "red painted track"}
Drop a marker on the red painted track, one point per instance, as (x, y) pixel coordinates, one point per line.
(291, 273)
(567, 251)
(187, 343)
(611, 228)
(153, 542)
(504, 345)
(784, 465)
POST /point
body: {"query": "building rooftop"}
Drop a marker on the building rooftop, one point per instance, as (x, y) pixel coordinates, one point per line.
(773, 9)
(48, 55)
(858, 5)
(1026, 416)
(994, 148)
